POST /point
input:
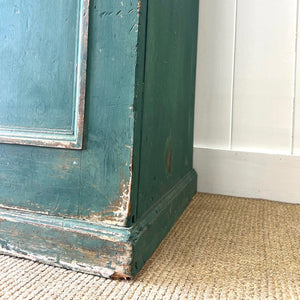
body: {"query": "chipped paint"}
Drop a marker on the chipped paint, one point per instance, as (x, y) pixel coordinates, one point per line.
(120, 276)
(107, 272)
(89, 249)
(117, 213)
(122, 212)
(100, 245)
(22, 209)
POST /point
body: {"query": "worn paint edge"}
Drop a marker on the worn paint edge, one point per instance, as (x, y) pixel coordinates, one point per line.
(124, 213)
(155, 224)
(83, 268)
(111, 254)
(105, 231)
(138, 108)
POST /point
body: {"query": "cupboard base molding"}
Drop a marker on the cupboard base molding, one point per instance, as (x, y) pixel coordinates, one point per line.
(94, 248)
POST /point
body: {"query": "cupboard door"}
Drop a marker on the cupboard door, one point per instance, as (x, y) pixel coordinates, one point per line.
(44, 166)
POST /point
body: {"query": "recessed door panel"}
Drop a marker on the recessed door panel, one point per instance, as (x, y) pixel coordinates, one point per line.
(42, 75)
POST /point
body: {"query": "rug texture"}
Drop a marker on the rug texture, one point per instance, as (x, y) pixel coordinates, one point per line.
(221, 248)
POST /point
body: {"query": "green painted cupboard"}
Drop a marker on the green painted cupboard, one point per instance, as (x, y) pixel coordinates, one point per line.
(96, 129)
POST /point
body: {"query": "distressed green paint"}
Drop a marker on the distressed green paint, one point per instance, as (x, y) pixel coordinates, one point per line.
(167, 138)
(65, 242)
(43, 72)
(37, 56)
(99, 249)
(154, 226)
(89, 182)
(105, 208)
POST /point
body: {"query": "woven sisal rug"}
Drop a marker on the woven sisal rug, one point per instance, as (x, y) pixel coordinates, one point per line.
(221, 248)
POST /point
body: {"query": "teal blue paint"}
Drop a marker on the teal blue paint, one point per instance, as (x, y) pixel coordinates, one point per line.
(74, 249)
(37, 56)
(42, 79)
(149, 231)
(105, 208)
(79, 184)
(98, 249)
(167, 128)
(138, 109)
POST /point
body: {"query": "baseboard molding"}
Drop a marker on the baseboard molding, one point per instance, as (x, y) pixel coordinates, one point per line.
(93, 248)
(244, 174)
(150, 230)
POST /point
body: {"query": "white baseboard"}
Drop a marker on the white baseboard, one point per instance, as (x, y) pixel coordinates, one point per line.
(244, 174)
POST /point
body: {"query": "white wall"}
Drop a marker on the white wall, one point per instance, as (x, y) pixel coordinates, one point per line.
(247, 118)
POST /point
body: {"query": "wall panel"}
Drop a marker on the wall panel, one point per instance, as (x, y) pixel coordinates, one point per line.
(214, 73)
(264, 75)
(296, 120)
(247, 121)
